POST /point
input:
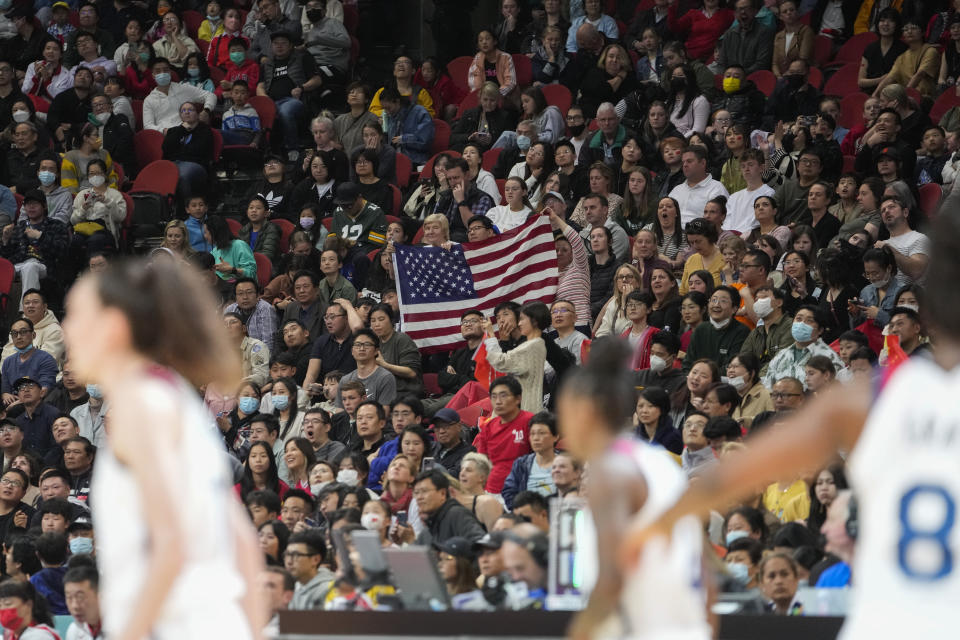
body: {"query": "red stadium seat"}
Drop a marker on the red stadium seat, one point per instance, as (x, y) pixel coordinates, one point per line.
(913, 93)
(815, 77)
(148, 146)
(137, 106)
(267, 110)
(469, 101)
(490, 157)
(559, 96)
(946, 101)
(765, 81)
(501, 183)
(849, 163)
(264, 268)
(7, 273)
(159, 176)
(843, 81)
(851, 109)
(217, 75)
(127, 222)
(470, 415)
(234, 225)
(397, 200)
(441, 136)
(351, 18)
(40, 104)
(431, 384)
(459, 69)
(286, 228)
(852, 50)
(192, 21)
(524, 69)
(822, 51)
(404, 168)
(930, 196)
(418, 236)
(217, 144)
(204, 46)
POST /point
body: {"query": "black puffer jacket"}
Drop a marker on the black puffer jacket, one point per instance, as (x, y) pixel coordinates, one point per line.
(601, 284)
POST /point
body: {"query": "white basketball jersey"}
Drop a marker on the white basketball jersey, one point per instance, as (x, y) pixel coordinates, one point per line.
(204, 600)
(663, 598)
(905, 470)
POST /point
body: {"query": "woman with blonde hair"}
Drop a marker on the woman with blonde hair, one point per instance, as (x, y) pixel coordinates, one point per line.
(474, 471)
(612, 319)
(611, 80)
(150, 334)
(175, 238)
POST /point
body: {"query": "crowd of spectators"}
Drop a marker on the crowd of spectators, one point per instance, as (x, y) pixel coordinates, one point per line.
(745, 214)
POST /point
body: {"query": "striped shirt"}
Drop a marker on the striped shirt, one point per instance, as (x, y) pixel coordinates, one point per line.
(574, 282)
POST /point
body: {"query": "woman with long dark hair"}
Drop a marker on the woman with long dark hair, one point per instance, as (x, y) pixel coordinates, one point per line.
(283, 397)
(273, 536)
(671, 241)
(318, 188)
(260, 472)
(432, 76)
(534, 169)
(26, 616)
(829, 481)
(233, 256)
(689, 110)
(365, 164)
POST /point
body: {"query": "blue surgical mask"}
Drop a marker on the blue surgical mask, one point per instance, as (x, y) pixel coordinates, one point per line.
(281, 402)
(213, 18)
(307, 223)
(740, 572)
(736, 535)
(162, 79)
(193, 72)
(801, 331)
(94, 391)
(248, 404)
(523, 143)
(26, 349)
(80, 546)
(47, 178)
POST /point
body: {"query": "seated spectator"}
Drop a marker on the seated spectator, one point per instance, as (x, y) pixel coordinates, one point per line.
(99, 210)
(550, 57)
(879, 56)
(754, 397)
(463, 201)
(778, 582)
(87, 147)
(910, 248)
(175, 45)
(698, 188)
(23, 159)
(497, 436)
(918, 66)
(380, 384)
(305, 306)
(334, 286)
(877, 298)
(606, 145)
(491, 65)
(806, 330)
(637, 305)
(262, 235)
(241, 122)
(114, 132)
(162, 109)
(276, 188)
(234, 257)
(820, 374)
(735, 143)
(518, 208)
(398, 353)
(741, 98)
(936, 155)
(190, 146)
(197, 72)
(410, 126)
(793, 42)
(721, 339)
(702, 27)
(258, 315)
(365, 165)
(88, 48)
(482, 125)
(289, 92)
(651, 420)
(825, 224)
(403, 71)
(327, 40)
(128, 54)
(349, 126)
(697, 456)
(60, 27)
(52, 550)
(793, 96)
(885, 133)
(218, 54)
(238, 67)
(444, 92)
(303, 558)
(749, 42)
(319, 187)
(687, 107)
(48, 77)
(35, 244)
(905, 324)
(702, 236)
(264, 22)
(443, 516)
(610, 82)
(661, 373)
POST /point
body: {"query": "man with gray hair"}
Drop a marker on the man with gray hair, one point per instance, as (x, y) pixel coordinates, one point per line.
(606, 145)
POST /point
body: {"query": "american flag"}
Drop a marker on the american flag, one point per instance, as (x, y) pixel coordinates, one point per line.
(435, 285)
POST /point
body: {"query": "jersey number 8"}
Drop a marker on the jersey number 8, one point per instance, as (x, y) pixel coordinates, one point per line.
(936, 535)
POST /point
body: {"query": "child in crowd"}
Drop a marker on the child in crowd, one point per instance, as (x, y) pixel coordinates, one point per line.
(239, 67)
(331, 390)
(60, 27)
(241, 122)
(115, 89)
(212, 25)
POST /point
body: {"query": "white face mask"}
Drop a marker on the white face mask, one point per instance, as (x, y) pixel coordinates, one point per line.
(371, 521)
(737, 383)
(103, 117)
(21, 116)
(763, 307)
(911, 306)
(348, 476)
(657, 364)
(315, 489)
(720, 324)
(97, 181)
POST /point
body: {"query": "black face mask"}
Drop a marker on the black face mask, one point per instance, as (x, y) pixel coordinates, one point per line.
(678, 84)
(794, 81)
(577, 129)
(314, 15)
